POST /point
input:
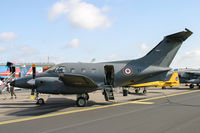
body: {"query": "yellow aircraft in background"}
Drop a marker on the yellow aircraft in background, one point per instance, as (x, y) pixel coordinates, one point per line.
(173, 81)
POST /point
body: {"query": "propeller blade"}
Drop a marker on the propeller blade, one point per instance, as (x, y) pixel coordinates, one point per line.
(32, 97)
(32, 81)
(13, 69)
(9, 64)
(32, 91)
(33, 71)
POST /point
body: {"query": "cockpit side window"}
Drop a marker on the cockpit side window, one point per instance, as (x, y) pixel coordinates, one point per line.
(51, 69)
(60, 69)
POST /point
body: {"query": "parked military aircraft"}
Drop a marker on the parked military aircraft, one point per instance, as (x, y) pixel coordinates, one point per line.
(83, 78)
(189, 76)
(173, 81)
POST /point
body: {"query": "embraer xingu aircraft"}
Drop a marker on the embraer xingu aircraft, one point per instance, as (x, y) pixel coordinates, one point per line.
(83, 78)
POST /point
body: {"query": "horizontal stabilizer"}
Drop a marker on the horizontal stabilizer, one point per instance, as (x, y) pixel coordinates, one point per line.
(182, 36)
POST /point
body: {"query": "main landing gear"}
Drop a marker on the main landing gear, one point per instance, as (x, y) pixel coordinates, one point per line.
(191, 86)
(138, 89)
(82, 100)
(39, 101)
(144, 91)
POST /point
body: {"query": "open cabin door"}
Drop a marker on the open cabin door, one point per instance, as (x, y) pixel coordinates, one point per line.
(109, 82)
(109, 75)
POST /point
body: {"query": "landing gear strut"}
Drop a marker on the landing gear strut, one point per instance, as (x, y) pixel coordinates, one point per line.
(39, 101)
(191, 86)
(164, 88)
(137, 90)
(144, 91)
(82, 100)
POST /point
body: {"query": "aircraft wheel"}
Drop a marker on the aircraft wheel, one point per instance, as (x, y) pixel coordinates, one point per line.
(191, 86)
(163, 88)
(125, 92)
(137, 91)
(144, 91)
(81, 102)
(87, 96)
(105, 95)
(40, 101)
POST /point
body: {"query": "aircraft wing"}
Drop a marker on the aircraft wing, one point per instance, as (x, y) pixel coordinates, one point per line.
(148, 84)
(165, 76)
(75, 80)
(193, 73)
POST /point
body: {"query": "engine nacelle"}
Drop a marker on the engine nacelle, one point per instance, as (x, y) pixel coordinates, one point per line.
(49, 85)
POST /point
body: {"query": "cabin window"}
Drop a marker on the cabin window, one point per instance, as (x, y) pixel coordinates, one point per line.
(94, 70)
(139, 70)
(83, 70)
(72, 70)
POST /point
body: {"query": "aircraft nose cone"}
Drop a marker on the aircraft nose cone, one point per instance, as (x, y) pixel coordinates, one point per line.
(12, 83)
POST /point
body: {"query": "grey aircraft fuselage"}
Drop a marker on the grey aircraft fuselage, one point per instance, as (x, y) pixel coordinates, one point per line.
(94, 71)
(189, 76)
(79, 78)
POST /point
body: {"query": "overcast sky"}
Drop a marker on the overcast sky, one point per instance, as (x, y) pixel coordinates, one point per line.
(104, 30)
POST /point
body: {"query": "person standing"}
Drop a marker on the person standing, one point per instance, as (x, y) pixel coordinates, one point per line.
(12, 91)
(0, 86)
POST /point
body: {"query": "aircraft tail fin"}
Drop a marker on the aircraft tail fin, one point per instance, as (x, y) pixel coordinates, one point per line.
(174, 78)
(163, 54)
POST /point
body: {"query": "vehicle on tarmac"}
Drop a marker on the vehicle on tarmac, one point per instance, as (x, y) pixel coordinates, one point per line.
(83, 78)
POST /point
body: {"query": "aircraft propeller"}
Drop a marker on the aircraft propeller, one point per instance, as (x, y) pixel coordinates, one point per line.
(33, 86)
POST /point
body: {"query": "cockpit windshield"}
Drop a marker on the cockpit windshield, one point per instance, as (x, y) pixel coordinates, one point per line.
(60, 69)
(57, 69)
(51, 68)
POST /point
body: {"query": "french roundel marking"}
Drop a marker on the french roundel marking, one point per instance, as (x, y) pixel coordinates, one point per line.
(128, 71)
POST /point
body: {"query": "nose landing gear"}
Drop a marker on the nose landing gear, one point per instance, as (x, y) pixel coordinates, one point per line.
(82, 100)
(39, 101)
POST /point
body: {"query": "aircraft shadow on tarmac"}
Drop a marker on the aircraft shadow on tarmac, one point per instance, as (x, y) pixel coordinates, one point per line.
(136, 99)
(171, 103)
(15, 105)
(182, 88)
(52, 105)
(138, 94)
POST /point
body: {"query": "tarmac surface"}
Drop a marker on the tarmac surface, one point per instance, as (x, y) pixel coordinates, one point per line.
(174, 110)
